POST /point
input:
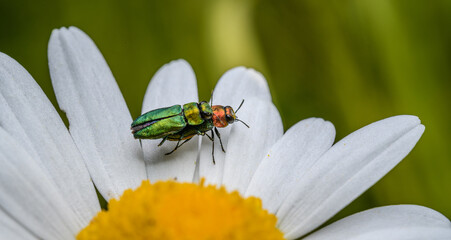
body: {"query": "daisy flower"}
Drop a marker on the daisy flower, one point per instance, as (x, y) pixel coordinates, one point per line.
(291, 182)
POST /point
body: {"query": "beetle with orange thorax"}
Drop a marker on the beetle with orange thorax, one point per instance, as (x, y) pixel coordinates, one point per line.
(223, 116)
(177, 123)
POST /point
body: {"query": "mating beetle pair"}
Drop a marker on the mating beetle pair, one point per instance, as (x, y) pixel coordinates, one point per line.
(177, 123)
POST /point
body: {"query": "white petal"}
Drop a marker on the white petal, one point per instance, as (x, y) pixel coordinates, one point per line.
(30, 118)
(235, 85)
(389, 222)
(11, 230)
(345, 171)
(173, 84)
(247, 146)
(240, 83)
(289, 159)
(408, 234)
(98, 116)
(30, 197)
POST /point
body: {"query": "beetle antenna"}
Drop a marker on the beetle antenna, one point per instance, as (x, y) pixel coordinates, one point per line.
(236, 119)
(241, 104)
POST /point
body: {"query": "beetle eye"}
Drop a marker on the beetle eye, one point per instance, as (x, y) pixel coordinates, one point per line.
(229, 119)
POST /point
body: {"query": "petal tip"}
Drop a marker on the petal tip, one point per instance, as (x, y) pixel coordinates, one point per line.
(54, 36)
(254, 72)
(177, 65)
(181, 63)
(420, 129)
(179, 68)
(330, 126)
(408, 119)
(74, 29)
(58, 30)
(235, 70)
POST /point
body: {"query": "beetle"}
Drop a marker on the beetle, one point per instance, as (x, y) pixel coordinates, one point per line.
(182, 123)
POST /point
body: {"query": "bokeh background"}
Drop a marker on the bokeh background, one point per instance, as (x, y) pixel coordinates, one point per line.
(350, 62)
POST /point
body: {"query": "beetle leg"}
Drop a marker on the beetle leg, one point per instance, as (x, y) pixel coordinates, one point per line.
(213, 146)
(185, 141)
(162, 141)
(211, 139)
(177, 146)
(219, 136)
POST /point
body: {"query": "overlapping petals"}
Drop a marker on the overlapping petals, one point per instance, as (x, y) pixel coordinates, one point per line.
(293, 154)
(45, 181)
(345, 171)
(98, 116)
(301, 177)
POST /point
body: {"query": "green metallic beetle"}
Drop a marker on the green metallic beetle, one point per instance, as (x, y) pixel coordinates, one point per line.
(177, 123)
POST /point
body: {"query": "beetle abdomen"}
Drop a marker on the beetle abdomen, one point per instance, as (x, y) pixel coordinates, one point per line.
(160, 128)
(157, 114)
(159, 123)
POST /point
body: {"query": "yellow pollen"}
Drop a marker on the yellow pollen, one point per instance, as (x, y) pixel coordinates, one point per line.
(171, 210)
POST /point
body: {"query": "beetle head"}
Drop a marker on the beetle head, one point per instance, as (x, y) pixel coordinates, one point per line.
(229, 114)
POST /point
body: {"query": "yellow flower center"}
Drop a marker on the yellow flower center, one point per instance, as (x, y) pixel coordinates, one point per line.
(171, 210)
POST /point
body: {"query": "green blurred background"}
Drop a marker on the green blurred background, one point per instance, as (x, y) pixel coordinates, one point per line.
(350, 62)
